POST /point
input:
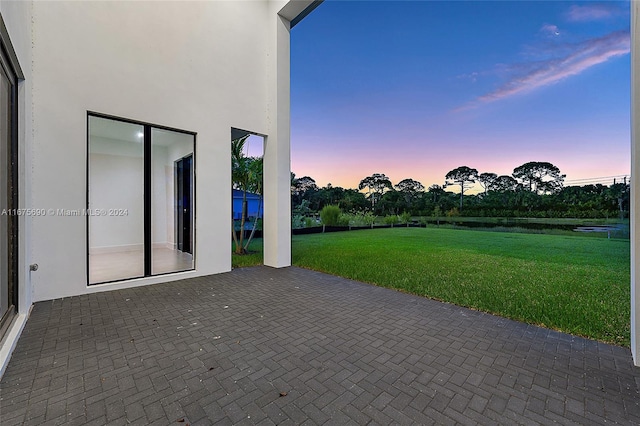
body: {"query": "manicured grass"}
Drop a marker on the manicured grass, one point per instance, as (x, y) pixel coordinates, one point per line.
(573, 284)
(252, 259)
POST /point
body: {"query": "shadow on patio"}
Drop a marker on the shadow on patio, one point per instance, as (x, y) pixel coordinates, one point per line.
(289, 346)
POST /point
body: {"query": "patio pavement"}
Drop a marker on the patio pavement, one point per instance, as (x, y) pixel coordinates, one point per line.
(291, 346)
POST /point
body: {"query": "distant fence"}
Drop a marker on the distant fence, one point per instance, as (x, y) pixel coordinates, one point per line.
(617, 230)
(319, 229)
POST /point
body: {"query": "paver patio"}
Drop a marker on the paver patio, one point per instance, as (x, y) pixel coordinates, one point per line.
(291, 346)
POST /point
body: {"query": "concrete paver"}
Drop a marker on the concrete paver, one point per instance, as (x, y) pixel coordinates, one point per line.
(291, 346)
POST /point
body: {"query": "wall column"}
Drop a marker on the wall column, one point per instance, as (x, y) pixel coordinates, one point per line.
(277, 158)
(635, 182)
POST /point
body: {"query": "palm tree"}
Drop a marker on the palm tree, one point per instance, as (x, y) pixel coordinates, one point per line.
(246, 175)
(240, 179)
(255, 186)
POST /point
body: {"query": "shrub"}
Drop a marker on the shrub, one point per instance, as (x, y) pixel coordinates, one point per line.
(330, 215)
(369, 219)
(405, 218)
(344, 219)
(297, 221)
(355, 219)
(453, 212)
(391, 219)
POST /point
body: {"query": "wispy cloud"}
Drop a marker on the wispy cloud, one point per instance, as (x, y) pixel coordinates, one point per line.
(527, 77)
(591, 12)
(549, 29)
(473, 77)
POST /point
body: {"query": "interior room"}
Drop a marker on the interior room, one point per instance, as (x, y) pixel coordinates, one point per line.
(124, 159)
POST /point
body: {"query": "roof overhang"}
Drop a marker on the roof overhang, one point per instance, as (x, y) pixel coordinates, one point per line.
(296, 10)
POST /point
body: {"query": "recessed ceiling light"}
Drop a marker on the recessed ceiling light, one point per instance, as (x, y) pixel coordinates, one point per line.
(140, 135)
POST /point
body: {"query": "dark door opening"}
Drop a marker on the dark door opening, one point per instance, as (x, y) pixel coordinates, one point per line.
(183, 203)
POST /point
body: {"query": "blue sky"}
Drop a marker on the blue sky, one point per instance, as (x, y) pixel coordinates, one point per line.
(414, 89)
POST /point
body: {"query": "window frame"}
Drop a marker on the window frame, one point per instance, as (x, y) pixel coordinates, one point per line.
(147, 200)
(11, 67)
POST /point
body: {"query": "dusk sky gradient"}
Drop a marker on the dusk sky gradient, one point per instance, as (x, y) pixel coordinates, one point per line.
(414, 89)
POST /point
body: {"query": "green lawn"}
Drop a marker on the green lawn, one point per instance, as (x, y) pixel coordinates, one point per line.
(252, 259)
(570, 283)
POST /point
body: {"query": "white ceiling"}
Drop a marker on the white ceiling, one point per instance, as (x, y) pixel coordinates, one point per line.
(129, 132)
(113, 129)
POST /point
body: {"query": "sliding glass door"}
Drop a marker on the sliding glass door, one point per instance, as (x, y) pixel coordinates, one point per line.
(134, 213)
(8, 194)
(116, 187)
(172, 200)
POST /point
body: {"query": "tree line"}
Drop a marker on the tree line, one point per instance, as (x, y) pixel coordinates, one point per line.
(534, 189)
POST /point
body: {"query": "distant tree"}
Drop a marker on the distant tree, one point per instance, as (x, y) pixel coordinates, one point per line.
(409, 186)
(327, 195)
(436, 191)
(410, 189)
(527, 201)
(303, 184)
(620, 192)
(376, 184)
(486, 180)
(504, 183)
(392, 202)
(463, 176)
(539, 177)
(300, 187)
(353, 200)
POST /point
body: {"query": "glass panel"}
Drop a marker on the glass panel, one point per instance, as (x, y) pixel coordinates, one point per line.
(172, 201)
(5, 170)
(116, 200)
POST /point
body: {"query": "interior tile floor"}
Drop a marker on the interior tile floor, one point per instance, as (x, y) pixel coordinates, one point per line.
(105, 267)
(291, 346)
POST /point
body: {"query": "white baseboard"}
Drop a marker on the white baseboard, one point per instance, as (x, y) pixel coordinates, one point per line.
(130, 247)
(116, 249)
(10, 340)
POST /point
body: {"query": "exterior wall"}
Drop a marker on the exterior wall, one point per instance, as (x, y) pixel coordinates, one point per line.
(17, 18)
(196, 66)
(635, 183)
(277, 157)
(202, 67)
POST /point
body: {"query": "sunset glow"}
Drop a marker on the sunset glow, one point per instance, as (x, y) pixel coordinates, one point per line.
(415, 89)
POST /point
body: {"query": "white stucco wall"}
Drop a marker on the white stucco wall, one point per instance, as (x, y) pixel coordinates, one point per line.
(17, 18)
(635, 182)
(203, 67)
(196, 66)
(277, 147)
